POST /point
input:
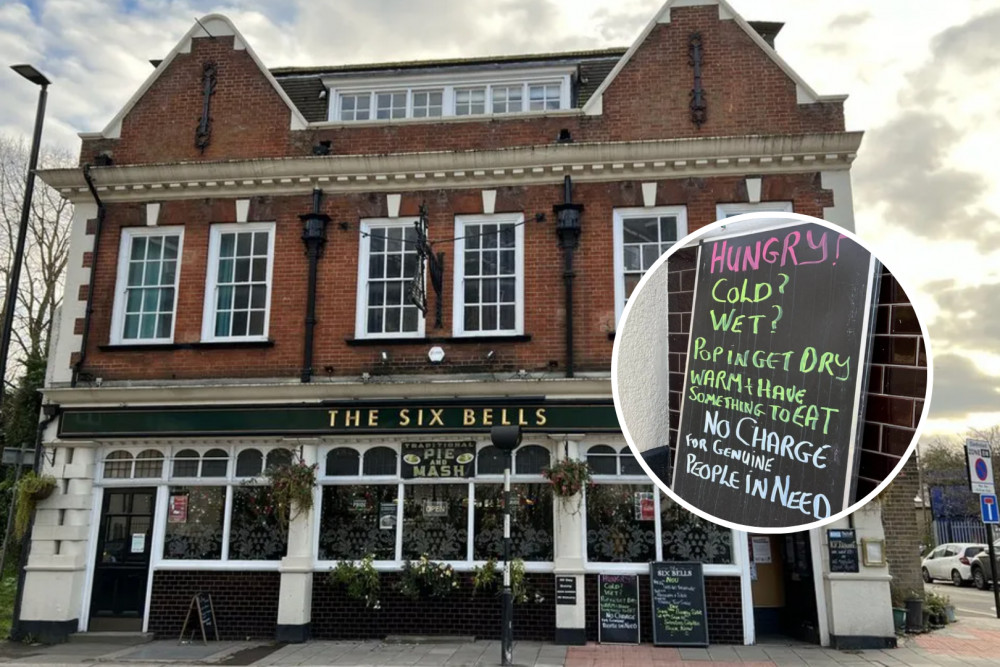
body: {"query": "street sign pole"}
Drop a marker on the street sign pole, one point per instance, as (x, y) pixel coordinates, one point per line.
(993, 568)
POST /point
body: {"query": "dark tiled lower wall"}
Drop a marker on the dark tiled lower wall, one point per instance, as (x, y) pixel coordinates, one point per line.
(465, 612)
(246, 603)
(722, 600)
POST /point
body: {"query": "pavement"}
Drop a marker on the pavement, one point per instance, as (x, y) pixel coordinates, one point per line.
(971, 642)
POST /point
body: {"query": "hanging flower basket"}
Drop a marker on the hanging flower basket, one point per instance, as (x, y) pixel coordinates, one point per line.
(30, 489)
(292, 487)
(567, 477)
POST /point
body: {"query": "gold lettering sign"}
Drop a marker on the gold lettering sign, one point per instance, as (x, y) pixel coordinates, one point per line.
(436, 418)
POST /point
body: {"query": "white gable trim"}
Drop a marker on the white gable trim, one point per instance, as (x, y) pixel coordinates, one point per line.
(216, 25)
(803, 92)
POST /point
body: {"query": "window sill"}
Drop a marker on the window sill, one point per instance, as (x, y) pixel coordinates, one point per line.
(221, 345)
(449, 340)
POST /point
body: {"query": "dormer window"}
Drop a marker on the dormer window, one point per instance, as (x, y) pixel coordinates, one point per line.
(466, 94)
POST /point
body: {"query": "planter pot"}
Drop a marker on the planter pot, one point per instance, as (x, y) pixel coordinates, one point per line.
(915, 615)
(43, 492)
(899, 618)
(949, 614)
(926, 619)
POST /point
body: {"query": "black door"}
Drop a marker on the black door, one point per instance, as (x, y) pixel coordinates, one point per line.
(801, 617)
(122, 566)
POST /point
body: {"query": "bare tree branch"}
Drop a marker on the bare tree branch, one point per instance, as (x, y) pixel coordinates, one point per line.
(46, 248)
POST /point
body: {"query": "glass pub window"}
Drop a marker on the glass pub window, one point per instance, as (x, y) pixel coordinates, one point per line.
(644, 239)
(490, 277)
(242, 284)
(470, 101)
(428, 103)
(150, 289)
(390, 105)
(392, 265)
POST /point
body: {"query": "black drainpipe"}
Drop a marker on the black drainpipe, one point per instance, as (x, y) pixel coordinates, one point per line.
(93, 273)
(568, 230)
(314, 236)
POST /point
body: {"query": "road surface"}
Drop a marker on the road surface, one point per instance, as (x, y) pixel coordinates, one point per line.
(967, 600)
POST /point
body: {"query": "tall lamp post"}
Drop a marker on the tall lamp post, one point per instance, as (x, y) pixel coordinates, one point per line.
(10, 297)
(506, 439)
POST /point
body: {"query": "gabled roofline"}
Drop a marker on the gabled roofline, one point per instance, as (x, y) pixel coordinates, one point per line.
(212, 25)
(803, 91)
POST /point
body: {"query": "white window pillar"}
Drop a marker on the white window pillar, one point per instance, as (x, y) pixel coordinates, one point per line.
(295, 597)
(571, 619)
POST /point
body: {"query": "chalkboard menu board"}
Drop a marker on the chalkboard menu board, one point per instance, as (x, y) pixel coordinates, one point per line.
(843, 546)
(618, 609)
(775, 370)
(678, 597)
(202, 609)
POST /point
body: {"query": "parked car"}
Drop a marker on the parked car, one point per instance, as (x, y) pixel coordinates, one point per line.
(980, 566)
(951, 561)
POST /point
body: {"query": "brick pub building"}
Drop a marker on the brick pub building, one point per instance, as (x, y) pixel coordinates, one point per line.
(349, 264)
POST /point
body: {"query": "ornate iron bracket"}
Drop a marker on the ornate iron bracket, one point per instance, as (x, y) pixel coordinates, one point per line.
(699, 108)
(203, 134)
(435, 263)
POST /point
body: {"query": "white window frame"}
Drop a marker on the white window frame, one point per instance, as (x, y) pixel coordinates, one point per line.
(620, 216)
(728, 210)
(212, 280)
(458, 310)
(129, 234)
(364, 253)
(339, 87)
(466, 564)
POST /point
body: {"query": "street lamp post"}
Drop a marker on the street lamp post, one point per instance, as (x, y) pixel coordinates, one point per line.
(506, 439)
(10, 297)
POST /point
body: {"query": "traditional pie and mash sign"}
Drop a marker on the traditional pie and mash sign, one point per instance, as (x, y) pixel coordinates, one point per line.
(438, 459)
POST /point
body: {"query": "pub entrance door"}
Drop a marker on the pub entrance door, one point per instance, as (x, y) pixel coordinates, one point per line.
(121, 566)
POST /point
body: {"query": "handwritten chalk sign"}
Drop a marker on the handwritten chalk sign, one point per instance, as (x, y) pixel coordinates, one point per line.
(618, 609)
(774, 377)
(203, 610)
(843, 548)
(678, 599)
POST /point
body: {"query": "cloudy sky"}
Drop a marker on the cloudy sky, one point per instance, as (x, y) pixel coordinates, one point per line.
(923, 80)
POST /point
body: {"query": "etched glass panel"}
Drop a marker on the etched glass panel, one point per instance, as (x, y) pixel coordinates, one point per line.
(435, 521)
(531, 527)
(196, 533)
(687, 536)
(621, 523)
(358, 520)
(255, 533)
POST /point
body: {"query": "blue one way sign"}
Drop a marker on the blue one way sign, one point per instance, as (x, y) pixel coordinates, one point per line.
(988, 506)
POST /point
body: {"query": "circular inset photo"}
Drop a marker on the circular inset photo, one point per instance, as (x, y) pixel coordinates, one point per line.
(770, 374)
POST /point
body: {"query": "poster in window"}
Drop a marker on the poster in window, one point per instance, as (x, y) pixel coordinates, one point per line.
(645, 510)
(761, 549)
(177, 512)
(387, 516)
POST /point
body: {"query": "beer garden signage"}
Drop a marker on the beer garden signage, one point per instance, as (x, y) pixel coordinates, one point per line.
(774, 376)
(347, 417)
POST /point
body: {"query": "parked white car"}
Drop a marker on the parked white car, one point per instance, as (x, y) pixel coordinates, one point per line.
(951, 561)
